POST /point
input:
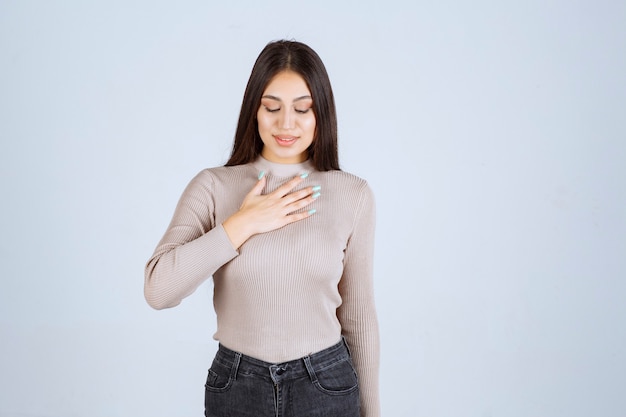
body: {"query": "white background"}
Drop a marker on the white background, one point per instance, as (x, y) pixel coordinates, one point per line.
(492, 132)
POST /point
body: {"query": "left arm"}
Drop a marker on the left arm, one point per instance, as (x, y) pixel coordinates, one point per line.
(357, 312)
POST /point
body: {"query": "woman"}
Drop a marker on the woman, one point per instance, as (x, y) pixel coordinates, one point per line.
(288, 238)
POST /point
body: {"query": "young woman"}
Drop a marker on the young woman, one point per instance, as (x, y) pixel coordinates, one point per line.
(288, 238)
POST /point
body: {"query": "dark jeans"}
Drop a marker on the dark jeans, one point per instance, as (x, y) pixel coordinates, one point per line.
(322, 384)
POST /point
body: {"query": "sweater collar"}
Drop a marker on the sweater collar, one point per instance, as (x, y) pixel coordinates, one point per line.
(282, 170)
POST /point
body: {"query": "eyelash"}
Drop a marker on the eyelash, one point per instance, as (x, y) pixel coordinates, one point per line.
(297, 111)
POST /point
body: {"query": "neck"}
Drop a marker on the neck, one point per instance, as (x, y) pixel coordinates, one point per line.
(283, 170)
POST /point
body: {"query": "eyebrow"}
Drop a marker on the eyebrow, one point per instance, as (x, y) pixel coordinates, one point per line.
(268, 96)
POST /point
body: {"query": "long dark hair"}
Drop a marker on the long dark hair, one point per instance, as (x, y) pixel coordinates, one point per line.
(294, 56)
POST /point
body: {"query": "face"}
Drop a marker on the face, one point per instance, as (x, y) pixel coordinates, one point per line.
(286, 120)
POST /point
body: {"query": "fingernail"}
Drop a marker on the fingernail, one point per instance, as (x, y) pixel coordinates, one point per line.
(312, 211)
(316, 195)
(306, 174)
(316, 188)
(261, 174)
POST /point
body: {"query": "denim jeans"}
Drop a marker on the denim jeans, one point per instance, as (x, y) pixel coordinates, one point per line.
(321, 384)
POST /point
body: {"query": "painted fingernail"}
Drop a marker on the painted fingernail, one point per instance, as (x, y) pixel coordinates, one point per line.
(306, 174)
(261, 174)
(316, 188)
(312, 211)
(316, 195)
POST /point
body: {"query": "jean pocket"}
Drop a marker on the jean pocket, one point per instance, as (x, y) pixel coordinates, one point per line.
(219, 378)
(337, 379)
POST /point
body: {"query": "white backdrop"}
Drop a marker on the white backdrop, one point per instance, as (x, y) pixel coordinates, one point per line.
(492, 133)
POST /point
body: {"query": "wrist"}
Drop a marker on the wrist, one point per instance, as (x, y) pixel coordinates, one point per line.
(236, 230)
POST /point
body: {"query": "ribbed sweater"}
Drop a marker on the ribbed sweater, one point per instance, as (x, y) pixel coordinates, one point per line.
(283, 294)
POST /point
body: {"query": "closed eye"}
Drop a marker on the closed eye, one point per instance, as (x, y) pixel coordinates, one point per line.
(303, 111)
(272, 110)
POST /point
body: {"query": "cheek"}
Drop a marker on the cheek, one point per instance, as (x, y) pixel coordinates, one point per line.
(262, 121)
(309, 124)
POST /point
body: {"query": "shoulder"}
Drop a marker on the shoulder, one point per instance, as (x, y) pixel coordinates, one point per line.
(224, 174)
(217, 179)
(344, 178)
(349, 183)
(351, 194)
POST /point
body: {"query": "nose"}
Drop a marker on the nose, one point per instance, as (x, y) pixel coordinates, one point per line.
(287, 119)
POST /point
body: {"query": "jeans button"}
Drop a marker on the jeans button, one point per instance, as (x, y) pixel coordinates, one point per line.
(280, 371)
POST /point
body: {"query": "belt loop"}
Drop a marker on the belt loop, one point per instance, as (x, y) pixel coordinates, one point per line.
(235, 368)
(309, 368)
(343, 339)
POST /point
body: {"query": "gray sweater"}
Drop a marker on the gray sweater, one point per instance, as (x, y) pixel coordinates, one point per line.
(286, 293)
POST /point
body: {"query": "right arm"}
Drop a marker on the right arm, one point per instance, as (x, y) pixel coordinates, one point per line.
(191, 250)
(194, 247)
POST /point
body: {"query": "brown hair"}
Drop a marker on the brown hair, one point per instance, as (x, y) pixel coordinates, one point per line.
(294, 56)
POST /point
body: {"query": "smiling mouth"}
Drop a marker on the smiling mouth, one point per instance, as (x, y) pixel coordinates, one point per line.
(285, 140)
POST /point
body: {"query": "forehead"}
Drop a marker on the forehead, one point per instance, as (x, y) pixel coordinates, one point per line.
(287, 84)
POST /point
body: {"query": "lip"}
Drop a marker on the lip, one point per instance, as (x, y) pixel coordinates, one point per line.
(285, 140)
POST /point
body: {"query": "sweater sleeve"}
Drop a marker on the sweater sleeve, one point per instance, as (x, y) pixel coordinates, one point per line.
(357, 314)
(191, 250)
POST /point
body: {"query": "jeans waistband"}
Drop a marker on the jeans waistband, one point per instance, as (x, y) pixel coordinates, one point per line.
(305, 366)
